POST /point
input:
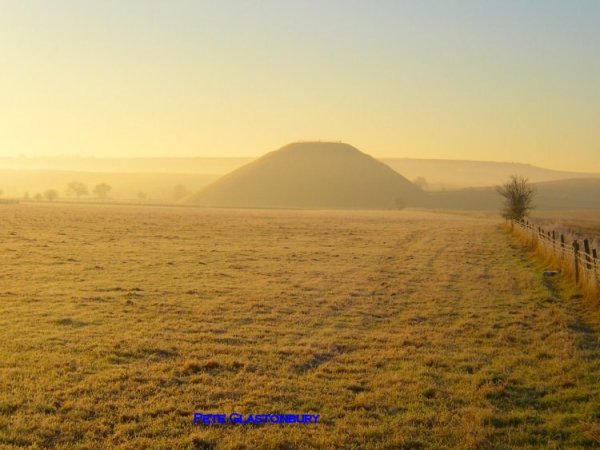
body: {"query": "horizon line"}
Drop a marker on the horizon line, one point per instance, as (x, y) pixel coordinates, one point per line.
(76, 156)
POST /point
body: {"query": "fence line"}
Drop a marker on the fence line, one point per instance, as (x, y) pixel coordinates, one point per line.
(578, 257)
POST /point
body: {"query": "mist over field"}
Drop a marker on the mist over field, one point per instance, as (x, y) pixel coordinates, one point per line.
(313, 174)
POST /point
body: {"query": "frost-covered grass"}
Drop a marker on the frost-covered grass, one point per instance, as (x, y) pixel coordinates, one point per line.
(401, 329)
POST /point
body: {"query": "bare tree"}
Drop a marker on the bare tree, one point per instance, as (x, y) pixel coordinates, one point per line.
(102, 190)
(51, 195)
(77, 189)
(518, 196)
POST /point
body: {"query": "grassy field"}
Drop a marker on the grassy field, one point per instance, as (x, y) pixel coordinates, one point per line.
(576, 224)
(401, 329)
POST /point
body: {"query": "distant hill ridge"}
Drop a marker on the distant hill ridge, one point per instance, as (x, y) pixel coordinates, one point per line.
(456, 174)
(549, 195)
(439, 173)
(312, 175)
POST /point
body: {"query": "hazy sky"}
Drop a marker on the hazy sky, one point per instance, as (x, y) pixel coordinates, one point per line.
(464, 79)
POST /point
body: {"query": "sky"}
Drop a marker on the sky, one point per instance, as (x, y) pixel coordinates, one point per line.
(456, 79)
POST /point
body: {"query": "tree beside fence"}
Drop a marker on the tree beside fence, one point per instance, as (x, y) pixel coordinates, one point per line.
(577, 258)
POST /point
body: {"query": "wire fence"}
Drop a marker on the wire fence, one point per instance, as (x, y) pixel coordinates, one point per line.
(577, 257)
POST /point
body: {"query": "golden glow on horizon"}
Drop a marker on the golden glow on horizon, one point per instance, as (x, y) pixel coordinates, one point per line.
(183, 80)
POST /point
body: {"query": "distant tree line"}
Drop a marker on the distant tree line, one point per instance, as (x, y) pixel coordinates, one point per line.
(73, 189)
(79, 190)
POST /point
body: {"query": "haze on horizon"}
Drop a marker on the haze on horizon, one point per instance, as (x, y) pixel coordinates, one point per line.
(490, 80)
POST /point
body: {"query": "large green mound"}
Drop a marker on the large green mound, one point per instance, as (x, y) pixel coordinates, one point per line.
(312, 175)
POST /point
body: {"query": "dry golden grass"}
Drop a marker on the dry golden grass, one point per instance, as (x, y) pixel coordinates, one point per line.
(575, 224)
(585, 279)
(401, 329)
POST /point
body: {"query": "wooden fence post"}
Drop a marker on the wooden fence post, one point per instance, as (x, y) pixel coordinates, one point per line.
(576, 260)
(588, 254)
(562, 245)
